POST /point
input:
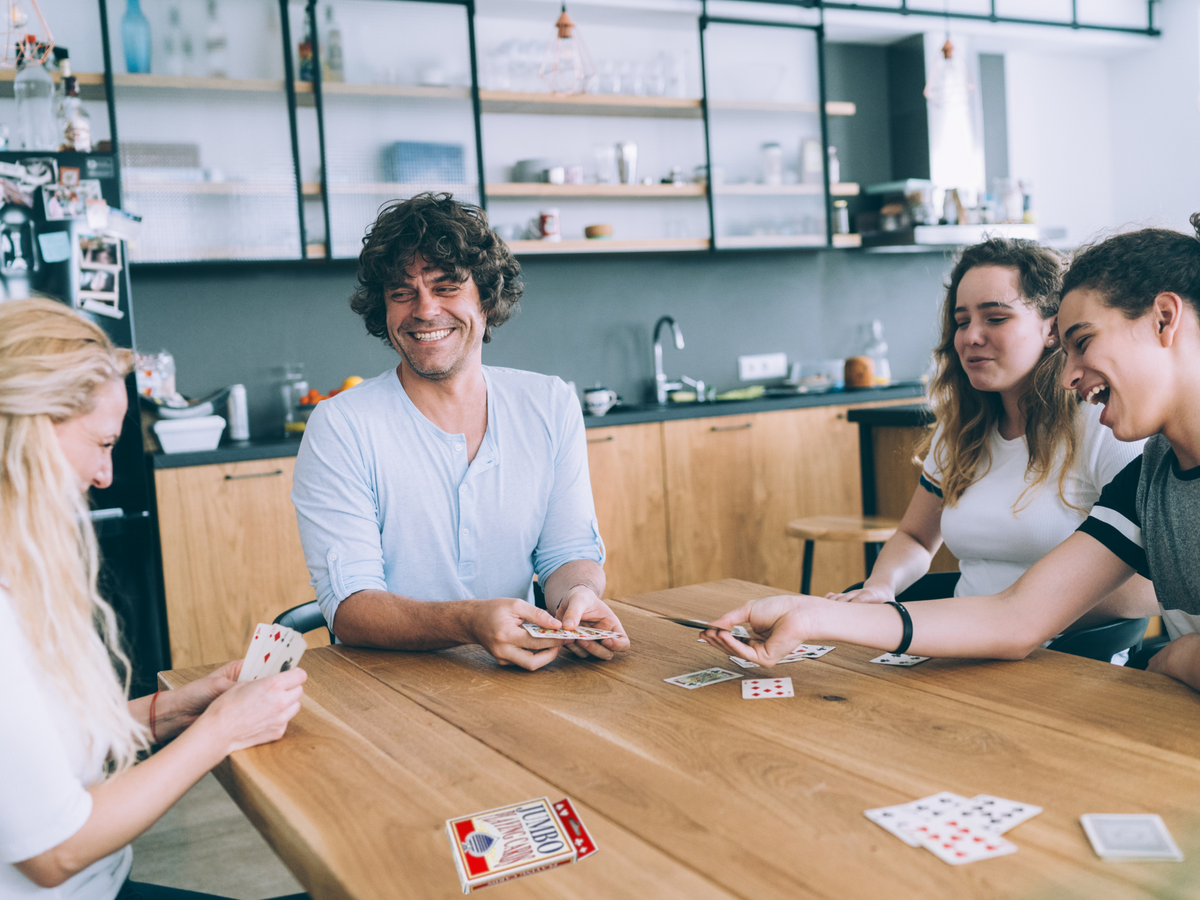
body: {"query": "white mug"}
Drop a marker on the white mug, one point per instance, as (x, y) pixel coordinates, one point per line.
(599, 400)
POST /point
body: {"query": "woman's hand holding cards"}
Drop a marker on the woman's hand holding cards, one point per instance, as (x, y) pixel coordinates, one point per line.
(254, 712)
(178, 709)
(777, 625)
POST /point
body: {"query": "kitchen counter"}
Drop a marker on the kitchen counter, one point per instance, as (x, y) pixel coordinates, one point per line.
(273, 448)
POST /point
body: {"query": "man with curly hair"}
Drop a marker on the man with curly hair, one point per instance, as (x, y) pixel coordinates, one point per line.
(428, 497)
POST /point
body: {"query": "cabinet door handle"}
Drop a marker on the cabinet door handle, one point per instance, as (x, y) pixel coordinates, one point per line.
(603, 440)
(253, 475)
(741, 427)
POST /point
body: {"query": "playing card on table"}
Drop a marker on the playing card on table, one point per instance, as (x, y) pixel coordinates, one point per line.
(899, 659)
(904, 819)
(959, 844)
(737, 630)
(994, 814)
(766, 688)
(1130, 838)
(582, 633)
(744, 663)
(807, 651)
(703, 678)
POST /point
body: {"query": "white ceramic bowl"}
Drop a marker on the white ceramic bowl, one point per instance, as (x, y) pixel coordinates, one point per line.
(189, 435)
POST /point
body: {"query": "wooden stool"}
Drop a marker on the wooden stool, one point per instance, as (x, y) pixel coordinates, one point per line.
(870, 531)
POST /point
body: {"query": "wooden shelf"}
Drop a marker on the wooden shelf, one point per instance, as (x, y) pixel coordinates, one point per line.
(832, 107)
(227, 188)
(596, 191)
(410, 91)
(385, 188)
(607, 245)
(847, 241)
(187, 83)
(210, 254)
(91, 84)
(844, 189)
(769, 241)
(515, 102)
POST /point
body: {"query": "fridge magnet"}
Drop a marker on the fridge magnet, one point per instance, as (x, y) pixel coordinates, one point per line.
(99, 268)
(68, 176)
(40, 170)
(64, 202)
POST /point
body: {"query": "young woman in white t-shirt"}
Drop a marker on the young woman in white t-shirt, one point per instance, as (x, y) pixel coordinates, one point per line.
(1015, 463)
(71, 798)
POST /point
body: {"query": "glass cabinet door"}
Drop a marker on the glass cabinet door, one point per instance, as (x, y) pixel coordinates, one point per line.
(766, 144)
(204, 133)
(395, 110)
(611, 159)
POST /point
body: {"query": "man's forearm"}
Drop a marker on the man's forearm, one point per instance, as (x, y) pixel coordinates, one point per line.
(394, 622)
(1181, 660)
(578, 571)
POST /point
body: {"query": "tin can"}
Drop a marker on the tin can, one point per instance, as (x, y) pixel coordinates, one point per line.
(239, 416)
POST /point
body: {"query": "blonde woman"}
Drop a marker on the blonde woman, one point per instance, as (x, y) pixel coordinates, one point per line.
(1016, 462)
(71, 798)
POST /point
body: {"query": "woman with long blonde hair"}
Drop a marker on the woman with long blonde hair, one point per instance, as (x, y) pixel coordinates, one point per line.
(1015, 463)
(71, 796)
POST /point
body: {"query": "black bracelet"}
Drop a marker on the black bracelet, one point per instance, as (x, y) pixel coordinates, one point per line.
(907, 639)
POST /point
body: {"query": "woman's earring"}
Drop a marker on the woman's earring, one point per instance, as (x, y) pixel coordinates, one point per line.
(1050, 342)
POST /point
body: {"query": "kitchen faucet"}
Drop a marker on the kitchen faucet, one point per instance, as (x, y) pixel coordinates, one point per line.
(661, 386)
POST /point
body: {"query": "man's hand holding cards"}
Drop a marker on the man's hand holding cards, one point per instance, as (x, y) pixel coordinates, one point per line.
(273, 649)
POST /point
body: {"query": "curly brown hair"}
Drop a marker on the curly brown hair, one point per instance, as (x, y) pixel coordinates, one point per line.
(968, 416)
(1130, 270)
(451, 236)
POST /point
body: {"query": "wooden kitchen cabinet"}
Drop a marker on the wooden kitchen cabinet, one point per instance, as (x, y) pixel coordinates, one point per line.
(626, 466)
(231, 556)
(734, 482)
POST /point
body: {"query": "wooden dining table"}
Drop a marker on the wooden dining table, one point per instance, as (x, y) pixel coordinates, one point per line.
(700, 794)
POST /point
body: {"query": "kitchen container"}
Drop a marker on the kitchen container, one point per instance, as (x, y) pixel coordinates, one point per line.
(597, 232)
(189, 435)
(423, 162)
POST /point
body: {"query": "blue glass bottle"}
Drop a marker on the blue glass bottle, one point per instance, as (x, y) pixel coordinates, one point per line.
(135, 35)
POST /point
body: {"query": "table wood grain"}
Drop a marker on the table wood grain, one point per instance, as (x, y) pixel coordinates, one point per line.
(702, 794)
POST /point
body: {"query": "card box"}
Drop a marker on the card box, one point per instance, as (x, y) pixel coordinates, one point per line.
(514, 841)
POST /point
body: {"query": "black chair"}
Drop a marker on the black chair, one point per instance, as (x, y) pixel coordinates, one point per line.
(305, 618)
(1101, 642)
(1140, 658)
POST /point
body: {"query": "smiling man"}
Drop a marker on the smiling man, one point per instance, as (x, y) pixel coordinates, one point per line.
(428, 497)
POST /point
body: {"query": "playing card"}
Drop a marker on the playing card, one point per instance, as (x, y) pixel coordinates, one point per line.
(994, 814)
(766, 688)
(737, 630)
(744, 663)
(1130, 838)
(899, 659)
(273, 649)
(582, 633)
(703, 678)
(903, 819)
(806, 651)
(960, 844)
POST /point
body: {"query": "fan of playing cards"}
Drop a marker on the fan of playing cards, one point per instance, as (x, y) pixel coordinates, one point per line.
(953, 828)
(273, 649)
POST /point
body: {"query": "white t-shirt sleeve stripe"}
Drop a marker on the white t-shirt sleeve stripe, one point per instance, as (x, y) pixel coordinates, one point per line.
(1111, 517)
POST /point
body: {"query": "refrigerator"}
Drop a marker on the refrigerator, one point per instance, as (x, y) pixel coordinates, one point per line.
(122, 513)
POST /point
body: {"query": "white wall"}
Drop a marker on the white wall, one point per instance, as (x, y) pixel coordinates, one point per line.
(1156, 124)
(1060, 137)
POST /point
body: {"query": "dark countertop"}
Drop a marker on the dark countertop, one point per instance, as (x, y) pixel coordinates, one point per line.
(917, 416)
(246, 451)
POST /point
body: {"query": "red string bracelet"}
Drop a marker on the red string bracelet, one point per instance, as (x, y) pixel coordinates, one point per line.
(153, 703)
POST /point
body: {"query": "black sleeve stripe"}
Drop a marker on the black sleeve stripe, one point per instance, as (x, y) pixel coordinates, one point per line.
(930, 486)
(1120, 546)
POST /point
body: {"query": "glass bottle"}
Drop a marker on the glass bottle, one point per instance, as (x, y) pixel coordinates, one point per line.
(876, 347)
(216, 46)
(835, 167)
(332, 61)
(304, 50)
(176, 45)
(841, 217)
(135, 35)
(74, 122)
(33, 88)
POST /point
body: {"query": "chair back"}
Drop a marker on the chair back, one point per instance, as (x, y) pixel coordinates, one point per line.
(304, 618)
(1102, 642)
(930, 586)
